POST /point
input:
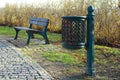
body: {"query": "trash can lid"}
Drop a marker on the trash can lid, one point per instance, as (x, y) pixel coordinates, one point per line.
(74, 17)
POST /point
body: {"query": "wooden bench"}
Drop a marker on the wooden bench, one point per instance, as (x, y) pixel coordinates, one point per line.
(41, 22)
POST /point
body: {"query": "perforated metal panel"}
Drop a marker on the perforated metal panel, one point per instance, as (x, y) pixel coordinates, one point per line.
(73, 31)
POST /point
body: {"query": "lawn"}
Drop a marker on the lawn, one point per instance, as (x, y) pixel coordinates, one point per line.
(72, 63)
(67, 64)
(10, 32)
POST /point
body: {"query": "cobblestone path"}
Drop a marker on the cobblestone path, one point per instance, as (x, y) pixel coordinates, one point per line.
(15, 66)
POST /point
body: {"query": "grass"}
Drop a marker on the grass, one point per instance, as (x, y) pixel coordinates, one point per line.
(106, 55)
(66, 57)
(59, 57)
(106, 62)
(103, 55)
(5, 30)
(106, 58)
(103, 51)
(8, 31)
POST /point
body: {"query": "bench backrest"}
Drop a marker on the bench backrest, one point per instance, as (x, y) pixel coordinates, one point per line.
(39, 21)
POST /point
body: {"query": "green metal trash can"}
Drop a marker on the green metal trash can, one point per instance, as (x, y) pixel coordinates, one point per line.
(73, 31)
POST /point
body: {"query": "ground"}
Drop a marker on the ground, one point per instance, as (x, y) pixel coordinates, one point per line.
(61, 71)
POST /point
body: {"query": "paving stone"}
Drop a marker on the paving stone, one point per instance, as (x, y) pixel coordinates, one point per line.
(15, 66)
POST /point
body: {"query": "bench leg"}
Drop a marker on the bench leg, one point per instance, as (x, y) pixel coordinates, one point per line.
(16, 35)
(46, 39)
(32, 36)
(28, 40)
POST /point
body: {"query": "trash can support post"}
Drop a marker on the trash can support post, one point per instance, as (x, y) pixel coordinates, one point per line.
(90, 41)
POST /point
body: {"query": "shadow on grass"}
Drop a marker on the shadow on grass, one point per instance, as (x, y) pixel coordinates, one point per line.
(20, 43)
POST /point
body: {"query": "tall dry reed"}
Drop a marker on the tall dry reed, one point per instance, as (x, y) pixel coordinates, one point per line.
(107, 16)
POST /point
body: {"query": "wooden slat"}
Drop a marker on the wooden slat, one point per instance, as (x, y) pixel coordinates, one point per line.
(39, 21)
